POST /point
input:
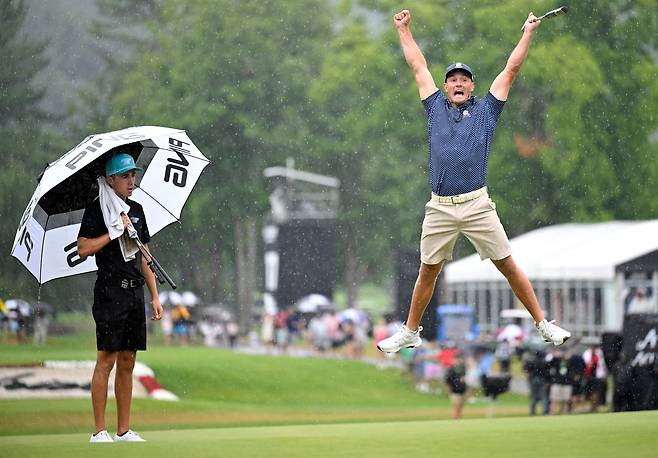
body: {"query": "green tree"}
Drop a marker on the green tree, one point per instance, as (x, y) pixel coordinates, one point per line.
(234, 76)
(256, 82)
(21, 60)
(121, 29)
(574, 142)
(623, 37)
(20, 136)
(358, 89)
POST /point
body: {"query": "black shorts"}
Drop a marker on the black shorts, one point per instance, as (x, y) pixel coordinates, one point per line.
(593, 385)
(120, 317)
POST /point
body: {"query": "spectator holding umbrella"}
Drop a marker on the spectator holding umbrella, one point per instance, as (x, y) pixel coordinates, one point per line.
(3, 316)
(232, 330)
(191, 302)
(180, 317)
(118, 308)
(19, 313)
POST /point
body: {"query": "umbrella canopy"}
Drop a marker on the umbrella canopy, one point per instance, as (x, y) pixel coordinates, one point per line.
(314, 303)
(171, 298)
(189, 299)
(510, 332)
(18, 305)
(46, 240)
(353, 315)
(164, 297)
(216, 313)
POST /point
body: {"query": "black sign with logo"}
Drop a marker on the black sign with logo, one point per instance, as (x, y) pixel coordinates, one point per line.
(641, 339)
(636, 373)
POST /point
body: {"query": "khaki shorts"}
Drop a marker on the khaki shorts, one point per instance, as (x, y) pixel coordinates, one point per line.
(476, 219)
(560, 393)
(457, 399)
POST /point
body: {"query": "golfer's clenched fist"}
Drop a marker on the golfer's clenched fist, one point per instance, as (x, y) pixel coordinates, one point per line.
(531, 23)
(402, 18)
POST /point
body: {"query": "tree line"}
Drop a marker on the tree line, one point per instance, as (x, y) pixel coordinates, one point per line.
(255, 82)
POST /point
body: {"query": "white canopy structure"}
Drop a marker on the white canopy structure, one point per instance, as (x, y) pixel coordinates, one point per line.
(582, 273)
(568, 251)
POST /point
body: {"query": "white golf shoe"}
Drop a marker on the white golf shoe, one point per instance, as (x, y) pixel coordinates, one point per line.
(404, 338)
(129, 436)
(551, 332)
(100, 437)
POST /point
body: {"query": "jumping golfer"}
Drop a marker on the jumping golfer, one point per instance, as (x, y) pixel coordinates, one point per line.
(118, 307)
(461, 129)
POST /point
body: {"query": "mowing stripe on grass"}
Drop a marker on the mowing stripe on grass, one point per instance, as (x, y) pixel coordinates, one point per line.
(603, 435)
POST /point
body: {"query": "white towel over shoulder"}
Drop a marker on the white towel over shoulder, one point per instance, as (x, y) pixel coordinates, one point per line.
(112, 206)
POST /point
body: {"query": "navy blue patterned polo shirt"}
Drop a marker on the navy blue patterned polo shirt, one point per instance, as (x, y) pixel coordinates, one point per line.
(459, 142)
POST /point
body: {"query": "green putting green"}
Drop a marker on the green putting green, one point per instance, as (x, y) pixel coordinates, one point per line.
(602, 435)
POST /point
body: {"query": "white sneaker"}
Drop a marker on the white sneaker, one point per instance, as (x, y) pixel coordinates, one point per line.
(129, 436)
(100, 436)
(404, 338)
(552, 332)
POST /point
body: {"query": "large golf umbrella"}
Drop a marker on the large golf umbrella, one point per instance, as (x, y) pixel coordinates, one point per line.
(46, 240)
(313, 303)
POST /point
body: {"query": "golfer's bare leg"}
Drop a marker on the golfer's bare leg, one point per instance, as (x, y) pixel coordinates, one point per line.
(123, 389)
(520, 285)
(422, 294)
(104, 363)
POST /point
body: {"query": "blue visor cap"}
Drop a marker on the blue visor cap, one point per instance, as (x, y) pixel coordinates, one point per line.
(461, 67)
(120, 164)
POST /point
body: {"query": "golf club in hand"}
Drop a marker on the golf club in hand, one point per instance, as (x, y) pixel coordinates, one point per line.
(553, 13)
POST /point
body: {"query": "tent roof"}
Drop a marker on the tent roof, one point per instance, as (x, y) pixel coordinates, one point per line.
(567, 251)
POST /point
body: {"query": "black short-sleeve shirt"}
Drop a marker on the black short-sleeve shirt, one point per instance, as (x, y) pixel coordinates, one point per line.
(109, 259)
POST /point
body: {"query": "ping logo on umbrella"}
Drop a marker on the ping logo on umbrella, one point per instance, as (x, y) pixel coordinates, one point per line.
(97, 144)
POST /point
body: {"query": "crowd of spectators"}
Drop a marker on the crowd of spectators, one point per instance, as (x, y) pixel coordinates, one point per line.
(187, 321)
(325, 330)
(564, 381)
(559, 380)
(22, 322)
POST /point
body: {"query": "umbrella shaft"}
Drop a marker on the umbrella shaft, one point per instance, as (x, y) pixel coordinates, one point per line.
(161, 275)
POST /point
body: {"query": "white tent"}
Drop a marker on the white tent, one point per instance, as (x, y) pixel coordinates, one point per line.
(567, 251)
(581, 273)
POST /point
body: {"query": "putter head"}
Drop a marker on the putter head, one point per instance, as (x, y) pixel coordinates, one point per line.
(550, 14)
(557, 11)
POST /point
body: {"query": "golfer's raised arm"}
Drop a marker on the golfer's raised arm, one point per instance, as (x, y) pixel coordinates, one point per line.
(503, 82)
(414, 56)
